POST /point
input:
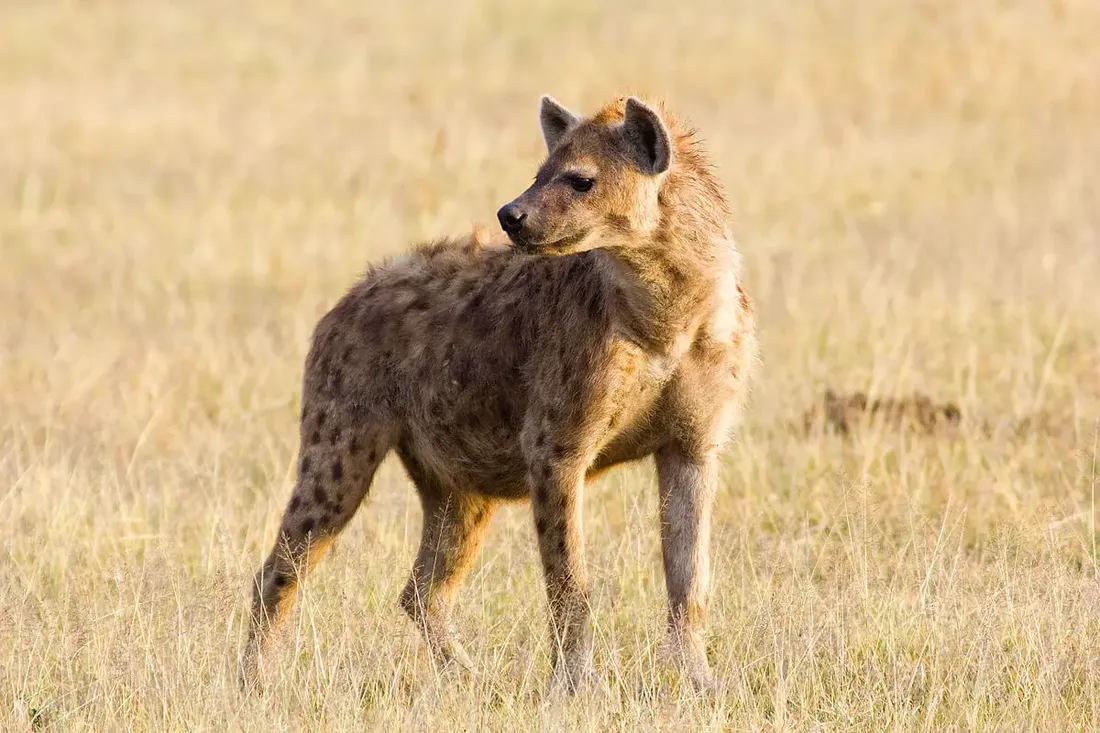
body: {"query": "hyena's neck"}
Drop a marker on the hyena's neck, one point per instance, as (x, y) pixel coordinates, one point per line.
(662, 289)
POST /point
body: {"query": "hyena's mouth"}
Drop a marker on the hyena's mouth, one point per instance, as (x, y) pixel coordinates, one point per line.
(561, 246)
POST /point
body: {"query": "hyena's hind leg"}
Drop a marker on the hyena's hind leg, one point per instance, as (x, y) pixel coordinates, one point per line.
(454, 525)
(338, 457)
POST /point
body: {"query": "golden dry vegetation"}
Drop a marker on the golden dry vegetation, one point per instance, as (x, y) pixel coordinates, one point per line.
(186, 186)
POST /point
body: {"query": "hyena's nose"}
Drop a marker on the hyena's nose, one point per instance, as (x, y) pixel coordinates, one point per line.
(511, 218)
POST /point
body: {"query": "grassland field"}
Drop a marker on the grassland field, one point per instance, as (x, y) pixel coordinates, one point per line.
(185, 187)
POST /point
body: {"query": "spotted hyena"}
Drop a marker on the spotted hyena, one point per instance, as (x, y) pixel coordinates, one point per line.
(613, 328)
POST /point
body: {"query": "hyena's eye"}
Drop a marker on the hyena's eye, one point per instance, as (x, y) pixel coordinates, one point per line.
(580, 184)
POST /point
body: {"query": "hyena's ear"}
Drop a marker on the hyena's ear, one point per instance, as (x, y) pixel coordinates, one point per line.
(647, 137)
(555, 120)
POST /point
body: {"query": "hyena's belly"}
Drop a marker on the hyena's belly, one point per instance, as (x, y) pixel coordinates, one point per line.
(630, 445)
(467, 458)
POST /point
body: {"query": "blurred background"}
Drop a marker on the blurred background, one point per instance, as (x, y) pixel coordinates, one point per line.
(186, 187)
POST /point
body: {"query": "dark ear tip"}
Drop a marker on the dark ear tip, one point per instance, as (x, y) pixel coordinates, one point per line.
(548, 102)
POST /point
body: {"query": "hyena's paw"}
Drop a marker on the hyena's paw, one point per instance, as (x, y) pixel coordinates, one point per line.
(450, 657)
(686, 652)
(447, 652)
(574, 677)
(250, 674)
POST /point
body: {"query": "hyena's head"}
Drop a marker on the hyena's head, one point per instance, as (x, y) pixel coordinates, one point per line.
(599, 184)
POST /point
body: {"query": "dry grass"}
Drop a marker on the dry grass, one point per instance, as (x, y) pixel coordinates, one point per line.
(185, 187)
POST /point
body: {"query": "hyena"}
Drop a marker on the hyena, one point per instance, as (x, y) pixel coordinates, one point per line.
(614, 327)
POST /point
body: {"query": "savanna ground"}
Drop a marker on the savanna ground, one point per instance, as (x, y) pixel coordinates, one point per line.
(186, 187)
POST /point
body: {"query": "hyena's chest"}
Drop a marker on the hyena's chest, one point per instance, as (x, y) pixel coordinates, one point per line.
(634, 402)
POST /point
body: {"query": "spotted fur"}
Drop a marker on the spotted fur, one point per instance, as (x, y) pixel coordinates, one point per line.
(614, 327)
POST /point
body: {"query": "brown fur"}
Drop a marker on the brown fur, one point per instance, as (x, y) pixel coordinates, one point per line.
(617, 328)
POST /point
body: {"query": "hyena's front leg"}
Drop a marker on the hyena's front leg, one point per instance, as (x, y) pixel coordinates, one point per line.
(687, 486)
(556, 496)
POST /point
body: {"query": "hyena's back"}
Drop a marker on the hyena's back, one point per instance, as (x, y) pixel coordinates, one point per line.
(439, 346)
